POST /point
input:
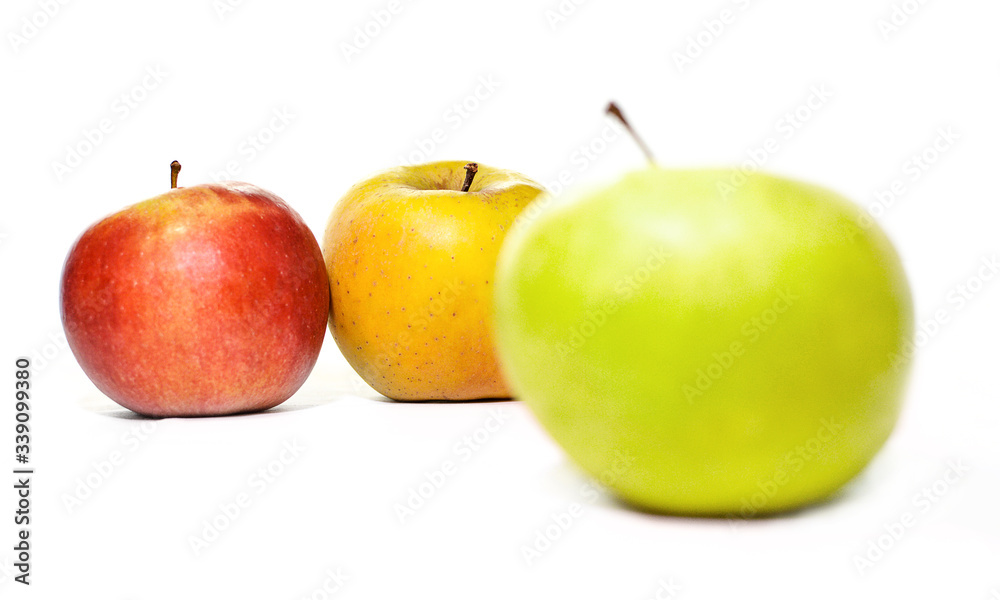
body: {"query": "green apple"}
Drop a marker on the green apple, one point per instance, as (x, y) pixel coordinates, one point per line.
(707, 347)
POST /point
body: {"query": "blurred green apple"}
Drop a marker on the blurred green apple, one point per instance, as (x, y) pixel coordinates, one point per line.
(707, 342)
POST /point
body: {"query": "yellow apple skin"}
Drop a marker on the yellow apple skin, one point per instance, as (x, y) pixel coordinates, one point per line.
(411, 259)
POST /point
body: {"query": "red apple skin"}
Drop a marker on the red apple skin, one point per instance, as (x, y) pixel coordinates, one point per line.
(207, 300)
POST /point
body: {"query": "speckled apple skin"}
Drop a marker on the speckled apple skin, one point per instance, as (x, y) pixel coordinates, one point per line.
(411, 261)
(207, 300)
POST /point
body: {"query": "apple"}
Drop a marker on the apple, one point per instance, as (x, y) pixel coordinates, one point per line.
(410, 254)
(706, 342)
(205, 300)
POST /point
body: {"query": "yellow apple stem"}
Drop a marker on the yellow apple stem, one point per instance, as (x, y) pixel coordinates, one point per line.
(470, 173)
(175, 168)
(617, 112)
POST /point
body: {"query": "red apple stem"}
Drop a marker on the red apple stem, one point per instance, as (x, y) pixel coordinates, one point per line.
(617, 112)
(175, 168)
(470, 173)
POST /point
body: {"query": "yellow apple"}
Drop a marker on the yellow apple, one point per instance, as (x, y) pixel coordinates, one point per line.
(410, 254)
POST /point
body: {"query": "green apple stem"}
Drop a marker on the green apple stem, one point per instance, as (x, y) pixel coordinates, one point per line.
(617, 112)
(175, 168)
(470, 173)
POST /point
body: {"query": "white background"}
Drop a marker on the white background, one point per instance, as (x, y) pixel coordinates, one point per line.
(222, 75)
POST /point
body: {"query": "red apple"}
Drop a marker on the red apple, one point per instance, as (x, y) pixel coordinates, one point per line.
(206, 300)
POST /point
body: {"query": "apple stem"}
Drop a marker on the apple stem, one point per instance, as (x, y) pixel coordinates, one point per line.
(470, 173)
(617, 112)
(175, 168)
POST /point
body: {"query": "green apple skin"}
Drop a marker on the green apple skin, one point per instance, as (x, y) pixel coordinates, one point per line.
(705, 350)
